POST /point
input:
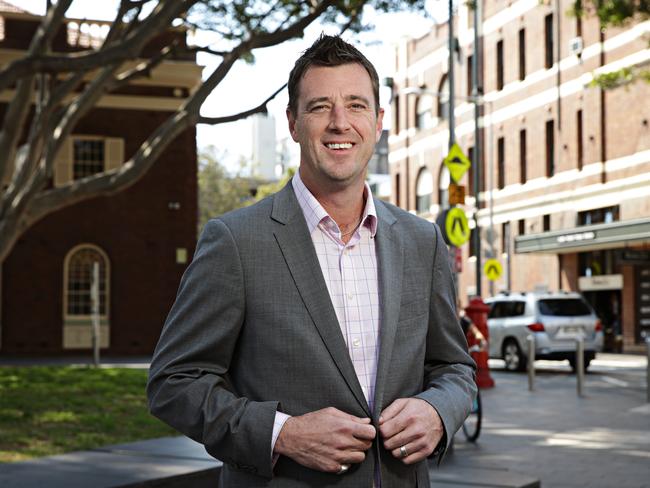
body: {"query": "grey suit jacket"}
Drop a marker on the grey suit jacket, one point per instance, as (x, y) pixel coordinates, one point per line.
(253, 331)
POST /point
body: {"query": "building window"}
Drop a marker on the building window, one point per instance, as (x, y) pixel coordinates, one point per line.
(88, 157)
(423, 191)
(546, 224)
(470, 172)
(522, 54)
(605, 215)
(444, 179)
(443, 98)
(579, 139)
(548, 41)
(596, 263)
(77, 299)
(500, 65)
(396, 114)
(579, 18)
(470, 80)
(501, 162)
(79, 280)
(397, 189)
(473, 244)
(550, 148)
(424, 112)
(83, 156)
(523, 177)
(521, 227)
(505, 237)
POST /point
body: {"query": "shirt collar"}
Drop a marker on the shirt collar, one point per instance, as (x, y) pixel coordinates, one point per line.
(314, 212)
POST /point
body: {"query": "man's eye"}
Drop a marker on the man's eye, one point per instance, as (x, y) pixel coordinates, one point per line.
(358, 106)
(318, 108)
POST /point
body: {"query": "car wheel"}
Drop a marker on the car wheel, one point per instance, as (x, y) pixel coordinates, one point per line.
(512, 355)
(574, 365)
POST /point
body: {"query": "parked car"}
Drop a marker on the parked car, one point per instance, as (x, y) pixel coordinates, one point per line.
(555, 320)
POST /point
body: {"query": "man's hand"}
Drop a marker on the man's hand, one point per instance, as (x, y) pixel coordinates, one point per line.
(325, 439)
(411, 423)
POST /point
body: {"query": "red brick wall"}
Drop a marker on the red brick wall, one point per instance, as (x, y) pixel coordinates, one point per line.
(135, 228)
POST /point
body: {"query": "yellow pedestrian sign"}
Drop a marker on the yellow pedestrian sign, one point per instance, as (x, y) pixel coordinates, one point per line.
(492, 269)
(457, 163)
(456, 227)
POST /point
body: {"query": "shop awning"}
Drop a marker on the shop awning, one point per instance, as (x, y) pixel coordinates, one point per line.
(586, 238)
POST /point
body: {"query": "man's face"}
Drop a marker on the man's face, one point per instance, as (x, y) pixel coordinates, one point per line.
(336, 125)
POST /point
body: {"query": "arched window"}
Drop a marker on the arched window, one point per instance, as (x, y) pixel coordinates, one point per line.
(444, 179)
(443, 98)
(423, 191)
(77, 299)
(424, 112)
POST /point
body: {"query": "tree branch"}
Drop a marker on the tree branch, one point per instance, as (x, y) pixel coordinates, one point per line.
(261, 108)
(294, 30)
(111, 182)
(66, 123)
(19, 107)
(143, 69)
(205, 49)
(194, 103)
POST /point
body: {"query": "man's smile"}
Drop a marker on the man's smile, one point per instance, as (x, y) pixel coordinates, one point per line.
(339, 145)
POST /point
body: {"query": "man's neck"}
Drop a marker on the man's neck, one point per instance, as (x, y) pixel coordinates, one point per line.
(344, 204)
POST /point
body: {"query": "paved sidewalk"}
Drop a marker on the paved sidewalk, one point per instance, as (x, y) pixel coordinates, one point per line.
(601, 440)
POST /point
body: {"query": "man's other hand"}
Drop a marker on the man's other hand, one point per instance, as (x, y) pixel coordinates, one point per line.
(413, 424)
(325, 439)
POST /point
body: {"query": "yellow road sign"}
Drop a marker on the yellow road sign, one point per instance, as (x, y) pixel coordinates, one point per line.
(492, 269)
(456, 227)
(456, 162)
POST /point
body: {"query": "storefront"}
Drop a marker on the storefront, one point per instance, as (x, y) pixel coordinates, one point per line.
(609, 263)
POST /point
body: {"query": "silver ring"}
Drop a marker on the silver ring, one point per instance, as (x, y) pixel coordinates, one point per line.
(403, 452)
(343, 469)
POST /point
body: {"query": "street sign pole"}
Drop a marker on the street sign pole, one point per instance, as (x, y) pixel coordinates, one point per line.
(477, 92)
(452, 93)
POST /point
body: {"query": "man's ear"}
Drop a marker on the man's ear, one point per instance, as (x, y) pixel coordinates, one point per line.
(292, 125)
(380, 122)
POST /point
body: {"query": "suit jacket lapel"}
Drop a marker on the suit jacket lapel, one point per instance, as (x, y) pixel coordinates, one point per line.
(390, 257)
(299, 253)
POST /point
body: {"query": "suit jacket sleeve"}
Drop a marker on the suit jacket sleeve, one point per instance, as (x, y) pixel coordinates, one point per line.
(449, 370)
(188, 384)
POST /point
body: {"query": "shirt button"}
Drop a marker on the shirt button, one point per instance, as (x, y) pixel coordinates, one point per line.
(356, 342)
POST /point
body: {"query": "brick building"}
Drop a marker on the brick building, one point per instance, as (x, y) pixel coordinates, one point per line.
(565, 165)
(142, 237)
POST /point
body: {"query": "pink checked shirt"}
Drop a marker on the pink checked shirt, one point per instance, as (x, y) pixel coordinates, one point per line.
(350, 272)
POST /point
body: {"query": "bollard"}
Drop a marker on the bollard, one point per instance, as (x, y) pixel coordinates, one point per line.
(580, 364)
(647, 376)
(530, 340)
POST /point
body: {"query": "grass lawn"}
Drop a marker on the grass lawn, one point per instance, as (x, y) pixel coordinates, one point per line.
(56, 409)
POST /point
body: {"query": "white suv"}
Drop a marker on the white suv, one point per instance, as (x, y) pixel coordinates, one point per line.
(555, 320)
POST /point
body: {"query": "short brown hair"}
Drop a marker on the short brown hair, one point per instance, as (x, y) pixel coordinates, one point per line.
(329, 51)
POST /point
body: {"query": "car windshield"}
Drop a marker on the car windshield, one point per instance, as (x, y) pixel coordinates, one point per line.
(567, 307)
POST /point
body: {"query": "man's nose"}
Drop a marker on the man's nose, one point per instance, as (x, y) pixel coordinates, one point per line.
(339, 119)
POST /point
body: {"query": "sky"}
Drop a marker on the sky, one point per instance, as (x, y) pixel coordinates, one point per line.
(246, 85)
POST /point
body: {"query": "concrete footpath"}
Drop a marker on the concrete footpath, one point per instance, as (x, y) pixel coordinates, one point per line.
(601, 440)
(549, 437)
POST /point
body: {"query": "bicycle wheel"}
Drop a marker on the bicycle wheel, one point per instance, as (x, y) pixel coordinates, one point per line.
(472, 425)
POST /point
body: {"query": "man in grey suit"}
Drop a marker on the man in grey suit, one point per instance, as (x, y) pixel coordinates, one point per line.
(314, 341)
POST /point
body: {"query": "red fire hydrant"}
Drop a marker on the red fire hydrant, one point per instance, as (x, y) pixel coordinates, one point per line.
(477, 311)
